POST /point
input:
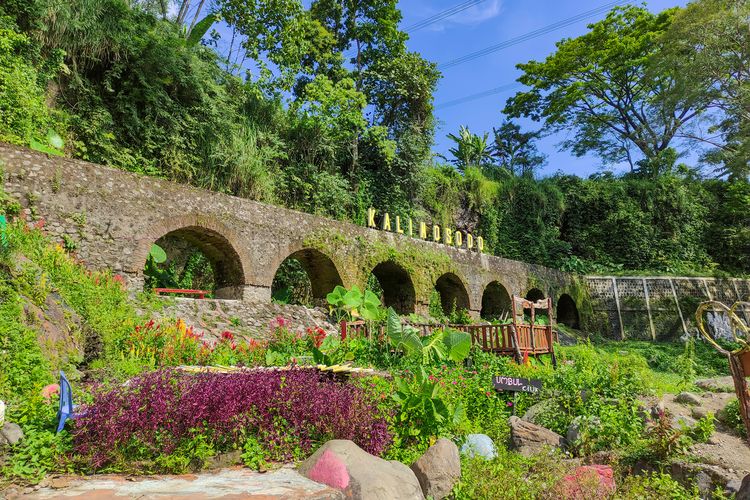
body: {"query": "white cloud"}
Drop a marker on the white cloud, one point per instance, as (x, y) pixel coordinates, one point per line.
(476, 14)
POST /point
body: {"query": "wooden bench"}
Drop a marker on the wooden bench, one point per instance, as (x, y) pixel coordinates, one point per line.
(201, 294)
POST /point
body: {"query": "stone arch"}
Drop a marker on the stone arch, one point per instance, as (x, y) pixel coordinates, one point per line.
(221, 246)
(452, 292)
(535, 294)
(496, 302)
(320, 269)
(567, 311)
(397, 285)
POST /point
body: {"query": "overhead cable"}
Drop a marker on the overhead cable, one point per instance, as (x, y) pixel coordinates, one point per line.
(442, 15)
(531, 34)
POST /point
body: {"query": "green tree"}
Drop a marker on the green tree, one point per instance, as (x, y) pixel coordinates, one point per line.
(604, 86)
(708, 45)
(728, 236)
(516, 151)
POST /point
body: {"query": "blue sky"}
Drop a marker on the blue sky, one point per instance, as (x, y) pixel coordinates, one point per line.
(488, 23)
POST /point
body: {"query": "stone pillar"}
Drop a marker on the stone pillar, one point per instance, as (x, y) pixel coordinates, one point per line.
(255, 293)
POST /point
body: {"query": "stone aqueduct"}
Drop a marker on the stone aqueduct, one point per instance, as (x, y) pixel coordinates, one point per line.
(114, 216)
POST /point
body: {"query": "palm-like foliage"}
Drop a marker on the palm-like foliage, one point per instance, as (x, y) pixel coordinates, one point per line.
(471, 149)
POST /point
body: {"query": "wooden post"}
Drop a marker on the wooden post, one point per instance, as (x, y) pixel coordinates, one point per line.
(740, 388)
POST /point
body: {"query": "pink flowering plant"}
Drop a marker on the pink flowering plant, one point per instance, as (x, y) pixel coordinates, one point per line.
(167, 343)
(289, 413)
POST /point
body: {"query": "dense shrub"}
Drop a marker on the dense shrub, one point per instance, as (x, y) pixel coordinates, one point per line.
(289, 412)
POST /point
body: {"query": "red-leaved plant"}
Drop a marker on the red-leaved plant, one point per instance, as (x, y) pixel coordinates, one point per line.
(287, 411)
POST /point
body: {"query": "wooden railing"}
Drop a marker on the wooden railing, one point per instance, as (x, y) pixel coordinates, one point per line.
(532, 340)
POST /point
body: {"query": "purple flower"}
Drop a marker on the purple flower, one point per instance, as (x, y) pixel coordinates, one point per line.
(299, 408)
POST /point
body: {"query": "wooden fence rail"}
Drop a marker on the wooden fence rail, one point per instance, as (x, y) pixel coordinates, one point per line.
(499, 339)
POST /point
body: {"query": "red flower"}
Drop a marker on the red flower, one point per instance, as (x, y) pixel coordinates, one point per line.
(227, 335)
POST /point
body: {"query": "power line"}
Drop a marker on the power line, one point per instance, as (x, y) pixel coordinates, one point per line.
(473, 97)
(442, 15)
(532, 34)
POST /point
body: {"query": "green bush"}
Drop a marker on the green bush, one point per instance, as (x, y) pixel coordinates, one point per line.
(24, 115)
(731, 416)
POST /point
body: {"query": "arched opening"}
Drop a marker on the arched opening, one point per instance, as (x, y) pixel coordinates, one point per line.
(195, 258)
(305, 277)
(453, 295)
(534, 294)
(394, 286)
(567, 312)
(495, 302)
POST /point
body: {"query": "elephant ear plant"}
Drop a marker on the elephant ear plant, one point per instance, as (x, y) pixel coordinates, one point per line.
(441, 345)
(352, 304)
(423, 410)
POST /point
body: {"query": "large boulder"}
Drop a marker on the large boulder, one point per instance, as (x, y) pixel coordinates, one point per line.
(744, 492)
(528, 438)
(688, 398)
(587, 482)
(479, 445)
(10, 434)
(438, 469)
(343, 465)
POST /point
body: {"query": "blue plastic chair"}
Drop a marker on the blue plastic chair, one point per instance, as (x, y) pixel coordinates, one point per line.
(66, 402)
(3, 232)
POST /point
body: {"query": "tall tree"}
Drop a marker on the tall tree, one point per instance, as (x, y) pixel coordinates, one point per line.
(604, 87)
(368, 27)
(708, 45)
(515, 150)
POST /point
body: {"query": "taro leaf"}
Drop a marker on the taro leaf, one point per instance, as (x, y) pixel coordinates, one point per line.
(393, 327)
(410, 341)
(441, 409)
(458, 344)
(336, 297)
(158, 254)
(353, 298)
(54, 139)
(433, 348)
(459, 413)
(370, 312)
(371, 299)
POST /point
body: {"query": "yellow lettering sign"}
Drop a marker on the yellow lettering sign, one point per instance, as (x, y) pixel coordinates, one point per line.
(371, 217)
(448, 236)
(386, 222)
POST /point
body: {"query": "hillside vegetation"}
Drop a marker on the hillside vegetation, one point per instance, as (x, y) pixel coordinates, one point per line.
(264, 100)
